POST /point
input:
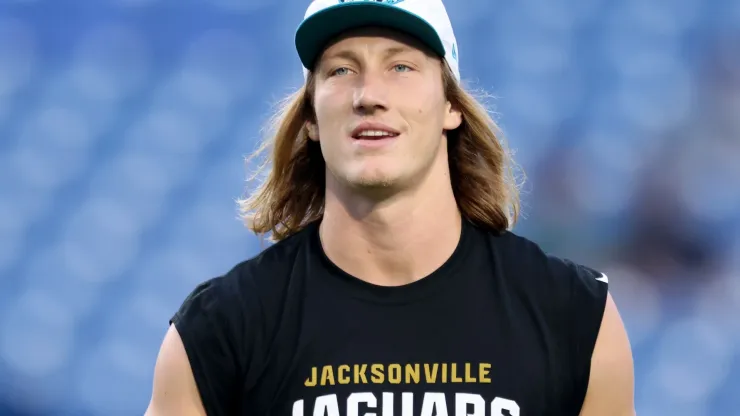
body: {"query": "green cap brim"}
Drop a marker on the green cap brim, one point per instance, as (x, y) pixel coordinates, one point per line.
(322, 27)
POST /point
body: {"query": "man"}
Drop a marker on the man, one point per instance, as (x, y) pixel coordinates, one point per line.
(395, 287)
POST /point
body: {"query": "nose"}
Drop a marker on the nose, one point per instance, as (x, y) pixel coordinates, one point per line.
(371, 94)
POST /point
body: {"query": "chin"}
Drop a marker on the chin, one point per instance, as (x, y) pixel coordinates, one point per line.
(369, 176)
(374, 183)
(373, 180)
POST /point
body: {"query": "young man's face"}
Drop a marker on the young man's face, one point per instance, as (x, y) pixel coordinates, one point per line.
(388, 83)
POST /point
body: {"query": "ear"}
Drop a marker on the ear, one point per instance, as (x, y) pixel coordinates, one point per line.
(313, 130)
(453, 117)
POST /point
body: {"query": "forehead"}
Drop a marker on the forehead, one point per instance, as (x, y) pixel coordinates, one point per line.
(375, 39)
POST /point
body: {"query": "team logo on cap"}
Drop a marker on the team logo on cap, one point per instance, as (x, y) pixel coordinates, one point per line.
(377, 1)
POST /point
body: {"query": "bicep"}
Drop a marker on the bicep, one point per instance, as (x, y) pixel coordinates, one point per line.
(174, 389)
(611, 382)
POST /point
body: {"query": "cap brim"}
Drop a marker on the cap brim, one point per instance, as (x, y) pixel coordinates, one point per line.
(322, 27)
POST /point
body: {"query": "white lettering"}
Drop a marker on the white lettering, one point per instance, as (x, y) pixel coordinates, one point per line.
(298, 408)
(387, 404)
(434, 404)
(464, 400)
(354, 400)
(407, 404)
(499, 404)
(326, 406)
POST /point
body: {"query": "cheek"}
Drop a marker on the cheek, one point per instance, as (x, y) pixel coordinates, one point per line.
(321, 106)
(426, 110)
(330, 108)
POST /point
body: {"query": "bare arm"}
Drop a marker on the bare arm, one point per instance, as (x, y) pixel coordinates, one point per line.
(611, 384)
(174, 392)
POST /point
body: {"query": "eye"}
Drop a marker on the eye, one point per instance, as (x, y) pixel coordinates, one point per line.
(339, 71)
(401, 68)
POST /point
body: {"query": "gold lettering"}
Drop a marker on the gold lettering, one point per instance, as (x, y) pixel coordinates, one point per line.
(378, 376)
(327, 376)
(468, 377)
(483, 370)
(453, 375)
(360, 371)
(394, 374)
(430, 373)
(342, 374)
(412, 373)
(311, 381)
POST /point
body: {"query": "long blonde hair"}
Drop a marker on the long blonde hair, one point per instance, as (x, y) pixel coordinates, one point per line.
(292, 193)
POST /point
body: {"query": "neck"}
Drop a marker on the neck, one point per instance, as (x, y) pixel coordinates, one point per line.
(393, 242)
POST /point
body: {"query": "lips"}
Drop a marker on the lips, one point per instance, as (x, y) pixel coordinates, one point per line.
(373, 131)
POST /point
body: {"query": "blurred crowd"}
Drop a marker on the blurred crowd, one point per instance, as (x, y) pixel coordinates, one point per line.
(123, 130)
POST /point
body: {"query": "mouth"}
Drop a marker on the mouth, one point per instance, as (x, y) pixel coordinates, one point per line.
(374, 139)
(374, 132)
(374, 135)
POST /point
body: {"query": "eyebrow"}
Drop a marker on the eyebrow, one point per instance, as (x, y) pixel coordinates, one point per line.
(396, 50)
(352, 56)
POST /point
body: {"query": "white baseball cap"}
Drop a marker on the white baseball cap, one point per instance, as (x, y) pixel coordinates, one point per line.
(426, 20)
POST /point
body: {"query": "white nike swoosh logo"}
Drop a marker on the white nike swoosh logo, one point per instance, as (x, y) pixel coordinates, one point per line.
(603, 278)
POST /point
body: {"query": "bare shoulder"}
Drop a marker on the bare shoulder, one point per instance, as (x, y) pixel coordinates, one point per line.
(214, 346)
(611, 382)
(174, 391)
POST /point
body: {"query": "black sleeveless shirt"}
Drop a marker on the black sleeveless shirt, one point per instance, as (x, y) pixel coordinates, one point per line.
(500, 329)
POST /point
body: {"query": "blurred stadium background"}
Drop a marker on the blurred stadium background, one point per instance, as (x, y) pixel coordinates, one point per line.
(124, 123)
